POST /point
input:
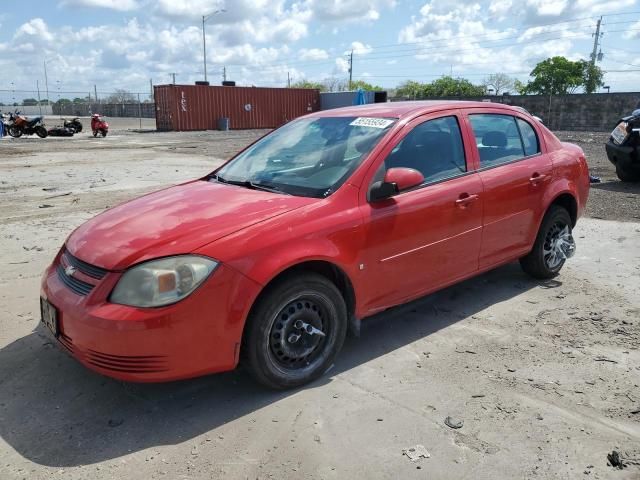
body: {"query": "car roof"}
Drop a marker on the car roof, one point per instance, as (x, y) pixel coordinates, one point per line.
(405, 109)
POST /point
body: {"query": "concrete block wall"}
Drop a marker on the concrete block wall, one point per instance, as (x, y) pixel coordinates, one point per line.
(586, 112)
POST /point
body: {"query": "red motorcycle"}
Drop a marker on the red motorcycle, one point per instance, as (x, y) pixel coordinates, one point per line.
(99, 125)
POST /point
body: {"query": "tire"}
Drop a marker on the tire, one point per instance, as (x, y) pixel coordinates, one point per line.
(41, 131)
(627, 175)
(539, 263)
(77, 127)
(95, 133)
(104, 133)
(275, 357)
(15, 132)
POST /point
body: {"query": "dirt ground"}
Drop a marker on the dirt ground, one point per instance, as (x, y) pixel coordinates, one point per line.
(544, 376)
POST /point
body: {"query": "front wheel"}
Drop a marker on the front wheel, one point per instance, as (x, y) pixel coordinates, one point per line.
(104, 133)
(554, 244)
(295, 331)
(41, 131)
(15, 132)
(627, 175)
(95, 133)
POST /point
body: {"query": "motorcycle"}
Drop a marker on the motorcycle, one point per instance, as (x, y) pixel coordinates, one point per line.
(5, 121)
(23, 126)
(74, 124)
(99, 125)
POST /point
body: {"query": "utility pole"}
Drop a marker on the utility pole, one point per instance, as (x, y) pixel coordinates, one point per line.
(596, 41)
(173, 75)
(39, 104)
(151, 88)
(350, 69)
(95, 92)
(46, 82)
(288, 80)
(204, 40)
(224, 74)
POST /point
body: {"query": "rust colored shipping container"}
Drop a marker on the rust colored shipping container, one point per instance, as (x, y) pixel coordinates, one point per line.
(199, 107)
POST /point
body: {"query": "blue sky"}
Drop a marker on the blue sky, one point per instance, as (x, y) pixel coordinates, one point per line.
(124, 43)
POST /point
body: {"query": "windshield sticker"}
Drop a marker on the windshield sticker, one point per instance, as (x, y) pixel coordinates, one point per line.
(371, 122)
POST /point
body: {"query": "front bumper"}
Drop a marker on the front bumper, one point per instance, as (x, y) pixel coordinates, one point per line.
(627, 156)
(198, 335)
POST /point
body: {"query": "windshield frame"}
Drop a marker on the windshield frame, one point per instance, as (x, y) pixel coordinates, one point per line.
(294, 189)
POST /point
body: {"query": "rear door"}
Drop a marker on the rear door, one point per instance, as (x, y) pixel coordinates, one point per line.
(515, 174)
(427, 237)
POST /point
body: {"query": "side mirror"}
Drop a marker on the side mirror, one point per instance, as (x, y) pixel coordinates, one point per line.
(395, 180)
(404, 177)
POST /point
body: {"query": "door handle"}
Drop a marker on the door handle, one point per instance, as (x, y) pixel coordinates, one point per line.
(465, 199)
(537, 178)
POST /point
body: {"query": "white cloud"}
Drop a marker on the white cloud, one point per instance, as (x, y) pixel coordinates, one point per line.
(313, 54)
(120, 5)
(348, 11)
(633, 32)
(342, 65)
(360, 48)
(34, 29)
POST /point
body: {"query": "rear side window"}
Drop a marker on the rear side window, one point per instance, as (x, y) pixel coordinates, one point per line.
(434, 148)
(498, 138)
(529, 138)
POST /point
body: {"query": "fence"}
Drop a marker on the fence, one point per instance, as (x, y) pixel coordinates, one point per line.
(120, 103)
(582, 112)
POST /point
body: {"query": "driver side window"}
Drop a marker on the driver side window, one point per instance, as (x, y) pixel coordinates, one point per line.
(434, 148)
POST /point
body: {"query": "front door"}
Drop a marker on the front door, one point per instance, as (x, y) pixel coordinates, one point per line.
(423, 239)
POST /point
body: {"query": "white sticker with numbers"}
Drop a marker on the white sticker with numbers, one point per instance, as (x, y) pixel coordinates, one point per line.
(371, 122)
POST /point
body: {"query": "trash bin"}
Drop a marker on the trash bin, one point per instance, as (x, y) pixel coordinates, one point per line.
(223, 124)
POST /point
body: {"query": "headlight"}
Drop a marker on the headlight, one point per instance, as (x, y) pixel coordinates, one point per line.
(161, 282)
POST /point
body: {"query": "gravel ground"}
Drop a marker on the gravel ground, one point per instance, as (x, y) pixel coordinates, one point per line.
(611, 199)
(543, 375)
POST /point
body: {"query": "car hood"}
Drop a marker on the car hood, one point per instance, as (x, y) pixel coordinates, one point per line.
(174, 221)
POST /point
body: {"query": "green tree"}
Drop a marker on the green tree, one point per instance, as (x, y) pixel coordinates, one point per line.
(592, 76)
(410, 89)
(29, 102)
(453, 87)
(556, 76)
(357, 84)
(309, 84)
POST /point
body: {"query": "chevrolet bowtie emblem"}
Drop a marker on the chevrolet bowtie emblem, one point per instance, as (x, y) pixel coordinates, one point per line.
(70, 270)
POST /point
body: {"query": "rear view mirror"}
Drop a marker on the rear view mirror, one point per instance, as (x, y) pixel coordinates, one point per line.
(395, 180)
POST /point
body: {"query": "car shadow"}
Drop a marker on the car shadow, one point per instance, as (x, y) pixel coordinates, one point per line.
(618, 186)
(55, 412)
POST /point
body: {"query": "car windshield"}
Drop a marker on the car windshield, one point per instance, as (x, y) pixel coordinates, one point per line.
(309, 157)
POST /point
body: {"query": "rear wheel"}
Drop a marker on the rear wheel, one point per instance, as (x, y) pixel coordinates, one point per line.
(627, 175)
(41, 131)
(554, 244)
(295, 331)
(77, 126)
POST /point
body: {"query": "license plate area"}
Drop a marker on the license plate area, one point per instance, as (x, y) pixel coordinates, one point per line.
(619, 134)
(49, 316)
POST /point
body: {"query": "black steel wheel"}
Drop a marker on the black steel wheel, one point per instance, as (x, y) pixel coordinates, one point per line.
(95, 133)
(627, 174)
(104, 133)
(553, 246)
(295, 330)
(41, 131)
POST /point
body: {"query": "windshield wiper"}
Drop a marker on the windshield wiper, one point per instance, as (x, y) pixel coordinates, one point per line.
(249, 184)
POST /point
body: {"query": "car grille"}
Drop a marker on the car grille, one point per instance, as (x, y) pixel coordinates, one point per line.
(84, 267)
(75, 285)
(127, 363)
(78, 285)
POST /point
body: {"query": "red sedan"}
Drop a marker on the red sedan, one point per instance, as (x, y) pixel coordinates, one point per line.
(325, 221)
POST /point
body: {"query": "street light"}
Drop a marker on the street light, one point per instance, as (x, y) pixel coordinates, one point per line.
(204, 41)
